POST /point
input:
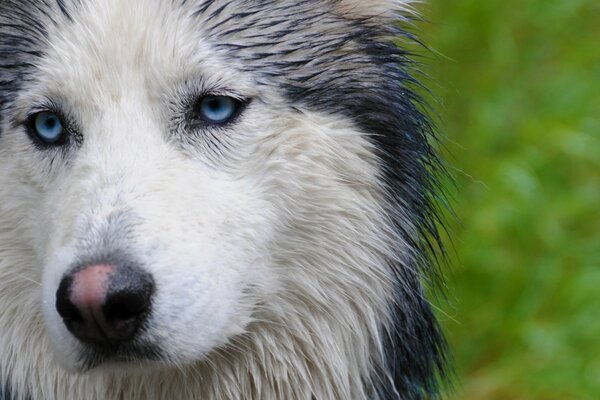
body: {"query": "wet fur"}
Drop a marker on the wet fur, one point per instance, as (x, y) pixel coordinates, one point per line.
(334, 155)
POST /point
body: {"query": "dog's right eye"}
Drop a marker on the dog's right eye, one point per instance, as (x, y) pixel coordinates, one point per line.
(217, 110)
(47, 127)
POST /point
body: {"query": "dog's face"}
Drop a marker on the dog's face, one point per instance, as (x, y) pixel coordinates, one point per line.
(138, 143)
(144, 142)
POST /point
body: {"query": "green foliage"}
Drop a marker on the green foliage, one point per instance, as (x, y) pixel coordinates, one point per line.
(519, 90)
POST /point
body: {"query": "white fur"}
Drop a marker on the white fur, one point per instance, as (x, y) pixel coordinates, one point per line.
(268, 258)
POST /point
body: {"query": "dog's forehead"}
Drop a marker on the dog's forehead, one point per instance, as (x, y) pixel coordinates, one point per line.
(103, 47)
(91, 46)
(123, 32)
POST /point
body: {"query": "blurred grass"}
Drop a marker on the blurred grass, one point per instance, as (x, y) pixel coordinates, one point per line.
(519, 90)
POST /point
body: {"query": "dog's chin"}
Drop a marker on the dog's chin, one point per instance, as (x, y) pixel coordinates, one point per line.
(130, 358)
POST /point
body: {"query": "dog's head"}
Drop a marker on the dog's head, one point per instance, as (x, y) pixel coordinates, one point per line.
(184, 173)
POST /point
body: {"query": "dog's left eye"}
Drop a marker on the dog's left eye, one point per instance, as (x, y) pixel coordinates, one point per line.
(217, 110)
(47, 127)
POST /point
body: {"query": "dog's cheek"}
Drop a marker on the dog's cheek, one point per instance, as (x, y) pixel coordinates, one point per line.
(201, 305)
(211, 263)
(192, 314)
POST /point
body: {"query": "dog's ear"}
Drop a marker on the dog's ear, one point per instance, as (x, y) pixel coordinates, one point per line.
(384, 9)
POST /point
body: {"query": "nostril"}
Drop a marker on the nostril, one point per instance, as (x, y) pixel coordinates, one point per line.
(69, 312)
(126, 306)
(129, 294)
(66, 309)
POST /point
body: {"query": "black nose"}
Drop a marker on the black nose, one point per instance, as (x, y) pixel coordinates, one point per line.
(104, 304)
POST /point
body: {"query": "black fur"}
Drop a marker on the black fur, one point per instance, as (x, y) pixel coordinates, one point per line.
(378, 94)
(21, 35)
(7, 394)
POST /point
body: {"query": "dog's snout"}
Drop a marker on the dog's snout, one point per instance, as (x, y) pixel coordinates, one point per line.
(105, 304)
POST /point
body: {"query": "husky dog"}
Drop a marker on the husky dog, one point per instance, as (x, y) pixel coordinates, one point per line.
(214, 199)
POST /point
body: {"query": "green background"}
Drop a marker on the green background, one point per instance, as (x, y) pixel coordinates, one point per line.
(517, 87)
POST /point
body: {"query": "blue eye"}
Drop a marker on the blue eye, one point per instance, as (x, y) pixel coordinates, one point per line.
(218, 109)
(47, 127)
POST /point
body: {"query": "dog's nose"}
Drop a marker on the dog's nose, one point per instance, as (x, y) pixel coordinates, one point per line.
(105, 304)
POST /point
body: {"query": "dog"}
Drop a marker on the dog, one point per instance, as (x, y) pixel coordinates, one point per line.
(215, 199)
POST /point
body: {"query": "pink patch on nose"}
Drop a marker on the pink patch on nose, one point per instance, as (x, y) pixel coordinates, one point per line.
(89, 287)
